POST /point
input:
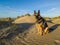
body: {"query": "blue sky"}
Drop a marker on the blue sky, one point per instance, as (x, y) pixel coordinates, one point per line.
(13, 8)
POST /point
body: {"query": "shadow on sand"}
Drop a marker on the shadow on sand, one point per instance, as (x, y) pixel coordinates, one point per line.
(54, 27)
(22, 27)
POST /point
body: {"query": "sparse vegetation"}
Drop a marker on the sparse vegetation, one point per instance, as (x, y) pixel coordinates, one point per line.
(18, 17)
(47, 17)
(27, 14)
(58, 17)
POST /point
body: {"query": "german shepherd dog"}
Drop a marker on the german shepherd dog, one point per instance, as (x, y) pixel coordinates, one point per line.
(41, 23)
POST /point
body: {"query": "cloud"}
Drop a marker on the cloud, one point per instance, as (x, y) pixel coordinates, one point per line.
(7, 11)
(52, 12)
(52, 9)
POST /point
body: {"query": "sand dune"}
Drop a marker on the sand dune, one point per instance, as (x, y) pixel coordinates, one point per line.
(25, 19)
(26, 33)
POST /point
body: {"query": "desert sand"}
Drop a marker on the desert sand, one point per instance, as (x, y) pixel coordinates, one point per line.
(26, 33)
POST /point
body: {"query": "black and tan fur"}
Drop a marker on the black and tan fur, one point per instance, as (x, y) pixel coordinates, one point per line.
(41, 23)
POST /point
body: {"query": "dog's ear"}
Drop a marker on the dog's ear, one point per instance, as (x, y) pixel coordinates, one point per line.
(34, 13)
(38, 12)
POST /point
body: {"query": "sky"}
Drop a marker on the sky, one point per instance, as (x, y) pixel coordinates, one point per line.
(14, 8)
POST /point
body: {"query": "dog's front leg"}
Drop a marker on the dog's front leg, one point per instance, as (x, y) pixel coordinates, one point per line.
(39, 27)
(46, 30)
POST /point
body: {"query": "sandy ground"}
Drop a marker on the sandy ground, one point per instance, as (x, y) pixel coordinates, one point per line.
(27, 33)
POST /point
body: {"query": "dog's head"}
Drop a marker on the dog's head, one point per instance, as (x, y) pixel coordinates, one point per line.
(37, 14)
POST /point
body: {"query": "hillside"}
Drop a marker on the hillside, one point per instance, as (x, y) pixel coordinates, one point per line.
(24, 32)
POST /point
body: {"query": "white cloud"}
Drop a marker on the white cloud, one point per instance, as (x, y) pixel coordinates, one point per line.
(6, 11)
(52, 9)
(52, 12)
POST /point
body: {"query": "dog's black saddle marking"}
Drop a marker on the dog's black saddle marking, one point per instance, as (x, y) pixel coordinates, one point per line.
(41, 20)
